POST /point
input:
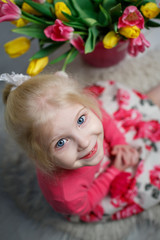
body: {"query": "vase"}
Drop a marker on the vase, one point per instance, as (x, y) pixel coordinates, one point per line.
(102, 57)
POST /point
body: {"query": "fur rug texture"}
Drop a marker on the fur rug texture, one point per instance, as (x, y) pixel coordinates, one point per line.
(18, 175)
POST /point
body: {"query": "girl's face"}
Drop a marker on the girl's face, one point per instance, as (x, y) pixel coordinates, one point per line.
(76, 137)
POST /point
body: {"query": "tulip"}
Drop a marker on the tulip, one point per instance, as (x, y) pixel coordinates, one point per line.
(27, 8)
(58, 31)
(20, 22)
(150, 10)
(131, 17)
(36, 66)
(59, 8)
(110, 40)
(17, 47)
(130, 32)
(137, 45)
(9, 11)
(78, 43)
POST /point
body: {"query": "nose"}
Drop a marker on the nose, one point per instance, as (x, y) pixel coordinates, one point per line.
(82, 141)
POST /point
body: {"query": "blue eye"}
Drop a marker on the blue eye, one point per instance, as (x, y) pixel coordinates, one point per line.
(81, 120)
(61, 143)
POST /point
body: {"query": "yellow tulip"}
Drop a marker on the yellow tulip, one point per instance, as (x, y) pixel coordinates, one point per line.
(17, 47)
(59, 8)
(130, 32)
(20, 22)
(27, 8)
(36, 66)
(6, 1)
(150, 10)
(110, 40)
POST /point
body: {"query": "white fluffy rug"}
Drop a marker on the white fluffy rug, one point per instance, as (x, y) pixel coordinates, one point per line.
(18, 175)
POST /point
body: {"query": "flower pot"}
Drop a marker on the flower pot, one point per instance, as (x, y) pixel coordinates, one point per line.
(102, 57)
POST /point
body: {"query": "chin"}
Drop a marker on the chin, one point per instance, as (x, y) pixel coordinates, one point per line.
(97, 159)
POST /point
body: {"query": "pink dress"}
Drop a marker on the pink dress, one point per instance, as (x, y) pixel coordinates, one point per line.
(101, 192)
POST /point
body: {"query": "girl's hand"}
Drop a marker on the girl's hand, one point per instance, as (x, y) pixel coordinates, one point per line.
(125, 156)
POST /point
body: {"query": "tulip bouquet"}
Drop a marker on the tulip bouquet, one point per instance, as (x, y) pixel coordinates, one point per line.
(81, 23)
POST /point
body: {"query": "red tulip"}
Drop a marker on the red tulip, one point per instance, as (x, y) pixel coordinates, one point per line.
(59, 31)
(9, 11)
(78, 43)
(137, 45)
(131, 17)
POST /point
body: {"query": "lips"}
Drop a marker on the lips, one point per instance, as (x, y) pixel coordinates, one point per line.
(91, 153)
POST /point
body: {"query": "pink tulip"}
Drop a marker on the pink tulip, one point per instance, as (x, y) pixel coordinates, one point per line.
(131, 17)
(78, 43)
(9, 11)
(59, 31)
(137, 45)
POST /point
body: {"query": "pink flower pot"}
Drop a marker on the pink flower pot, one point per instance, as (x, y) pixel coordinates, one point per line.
(102, 57)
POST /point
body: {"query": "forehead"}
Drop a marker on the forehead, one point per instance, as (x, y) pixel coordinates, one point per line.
(62, 121)
(66, 114)
(62, 115)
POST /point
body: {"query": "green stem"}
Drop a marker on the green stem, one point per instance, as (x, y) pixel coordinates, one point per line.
(80, 33)
(68, 56)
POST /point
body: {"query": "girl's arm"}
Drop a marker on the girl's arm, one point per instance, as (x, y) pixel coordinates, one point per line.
(112, 135)
(76, 193)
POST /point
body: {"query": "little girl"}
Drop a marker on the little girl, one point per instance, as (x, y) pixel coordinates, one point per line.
(96, 150)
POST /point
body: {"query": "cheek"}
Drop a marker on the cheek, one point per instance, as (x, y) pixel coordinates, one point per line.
(96, 122)
(99, 127)
(66, 156)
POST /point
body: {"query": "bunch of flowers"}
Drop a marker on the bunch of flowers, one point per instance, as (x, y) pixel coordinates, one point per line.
(81, 23)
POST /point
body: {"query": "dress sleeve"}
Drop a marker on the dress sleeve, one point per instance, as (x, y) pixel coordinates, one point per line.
(78, 194)
(112, 135)
(98, 190)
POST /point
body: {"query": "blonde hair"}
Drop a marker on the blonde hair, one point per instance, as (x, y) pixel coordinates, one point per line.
(28, 110)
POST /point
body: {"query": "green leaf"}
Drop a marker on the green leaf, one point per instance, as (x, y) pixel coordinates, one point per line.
(82, 22)
(108, 4)
(44, 8)
(140, 2)
(35, 19)
(32, 30)
(31, 20)
(115, 27)
(18, 3)
(158, 17)
(76, 25)
(84, 8)
(150, 23)
(89, 22)
(60, 58)
(87, 16)
(70, 57)
(46, 51)
(104, 16)
(97, 1)
(69, 17)
(93, 33)
(116, 12)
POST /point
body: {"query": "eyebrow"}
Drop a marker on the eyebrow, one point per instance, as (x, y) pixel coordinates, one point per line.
(76, 116)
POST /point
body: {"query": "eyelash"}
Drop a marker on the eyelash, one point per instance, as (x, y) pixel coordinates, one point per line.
(63, 139)
(81, 117)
